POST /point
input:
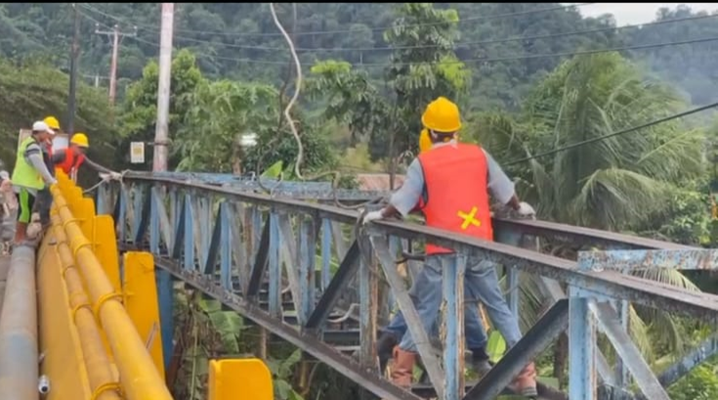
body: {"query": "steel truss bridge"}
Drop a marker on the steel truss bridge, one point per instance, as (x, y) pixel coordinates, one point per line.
(299, 267)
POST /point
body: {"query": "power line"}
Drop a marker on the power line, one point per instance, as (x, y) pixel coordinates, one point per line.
(610, 135)
(457, 44)
(474, 60)
(334, 32)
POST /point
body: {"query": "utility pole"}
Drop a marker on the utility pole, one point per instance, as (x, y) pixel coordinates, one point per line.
(74, 58)
(163, 93)
(116, 36)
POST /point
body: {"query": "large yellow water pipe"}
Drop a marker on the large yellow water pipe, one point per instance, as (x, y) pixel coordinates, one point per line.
(99, 371)
(139, 378)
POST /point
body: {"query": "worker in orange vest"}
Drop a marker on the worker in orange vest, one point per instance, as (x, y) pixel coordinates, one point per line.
(439, 178)
(476, 339)
(71, 158)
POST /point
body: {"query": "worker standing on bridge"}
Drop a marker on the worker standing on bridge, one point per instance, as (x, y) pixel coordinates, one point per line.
(70, 160)
(439, 179)
(30, 175)
(44, 198)
(476, 338)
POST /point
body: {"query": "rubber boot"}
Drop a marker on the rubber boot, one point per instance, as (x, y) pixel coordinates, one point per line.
(525, 383)
(403, 368)
(384, 348)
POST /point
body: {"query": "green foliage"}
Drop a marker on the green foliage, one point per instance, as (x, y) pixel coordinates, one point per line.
(615, 182)
(699, 384)
(139, 116)
(32, 91)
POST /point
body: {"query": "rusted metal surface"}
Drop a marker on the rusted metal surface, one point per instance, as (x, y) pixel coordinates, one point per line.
(580, 235)
(691, 259)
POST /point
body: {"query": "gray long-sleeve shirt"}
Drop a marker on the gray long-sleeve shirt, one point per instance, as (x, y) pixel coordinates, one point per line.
(34, 157)
(408, 195)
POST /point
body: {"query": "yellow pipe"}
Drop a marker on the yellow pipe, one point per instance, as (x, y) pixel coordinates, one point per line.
(99, 371)
(138, 375)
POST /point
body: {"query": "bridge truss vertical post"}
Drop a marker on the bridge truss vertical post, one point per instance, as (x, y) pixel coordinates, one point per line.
(453, 281)
(581, 345)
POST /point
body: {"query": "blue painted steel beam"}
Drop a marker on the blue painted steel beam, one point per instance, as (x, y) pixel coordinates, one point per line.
(581, 348)
(260, 261)
(610, 323)
(613, 285)
(306, 257)
(693, 259)
(704, 351)
(294, 189)
(453, 280)
(347, 366)
(165, 295)
(275, 270)
(347, 270)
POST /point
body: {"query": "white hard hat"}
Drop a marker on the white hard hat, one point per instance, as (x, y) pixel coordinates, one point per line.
(41, 126)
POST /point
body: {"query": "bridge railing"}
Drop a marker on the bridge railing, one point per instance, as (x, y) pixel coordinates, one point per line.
(272, 258)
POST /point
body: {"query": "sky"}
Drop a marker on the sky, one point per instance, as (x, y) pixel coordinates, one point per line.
(637, 13)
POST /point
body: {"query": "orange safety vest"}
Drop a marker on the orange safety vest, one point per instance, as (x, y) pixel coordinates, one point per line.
(71, 163)
(453, 203)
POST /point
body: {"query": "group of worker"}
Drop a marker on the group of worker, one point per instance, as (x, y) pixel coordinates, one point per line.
(449, 182)
(34, 172)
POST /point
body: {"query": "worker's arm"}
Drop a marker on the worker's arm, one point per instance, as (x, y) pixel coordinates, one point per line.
(97, 167)
(33, 154)
(406, 197)
(502, 188)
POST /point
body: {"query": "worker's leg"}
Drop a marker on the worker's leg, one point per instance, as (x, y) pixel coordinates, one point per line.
(392, 334)
(428, 303)
(25, 201)
(475, 332)
(481, 277)
(44, 202)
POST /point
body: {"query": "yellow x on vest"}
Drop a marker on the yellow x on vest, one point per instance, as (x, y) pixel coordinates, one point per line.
(469, 218)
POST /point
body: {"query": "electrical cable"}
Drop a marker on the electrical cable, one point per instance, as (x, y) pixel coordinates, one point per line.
(465, 61)
(309, 50)
(334, 32)
(618, 133)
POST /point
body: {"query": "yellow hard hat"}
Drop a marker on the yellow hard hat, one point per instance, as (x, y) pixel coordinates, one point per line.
(52, 122)
(442, 115)
(424, 141)
(80, 139)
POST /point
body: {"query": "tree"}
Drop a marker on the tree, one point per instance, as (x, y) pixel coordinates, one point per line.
(423, 67)
(614, 183)
(223, 111)
(30, 92)
(137, 122)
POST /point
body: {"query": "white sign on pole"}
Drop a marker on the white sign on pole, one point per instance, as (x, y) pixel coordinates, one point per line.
(137, 152)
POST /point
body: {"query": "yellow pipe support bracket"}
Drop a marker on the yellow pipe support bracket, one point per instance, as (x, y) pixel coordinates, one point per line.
(138, 375)
(106, 388)
(104, 299)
